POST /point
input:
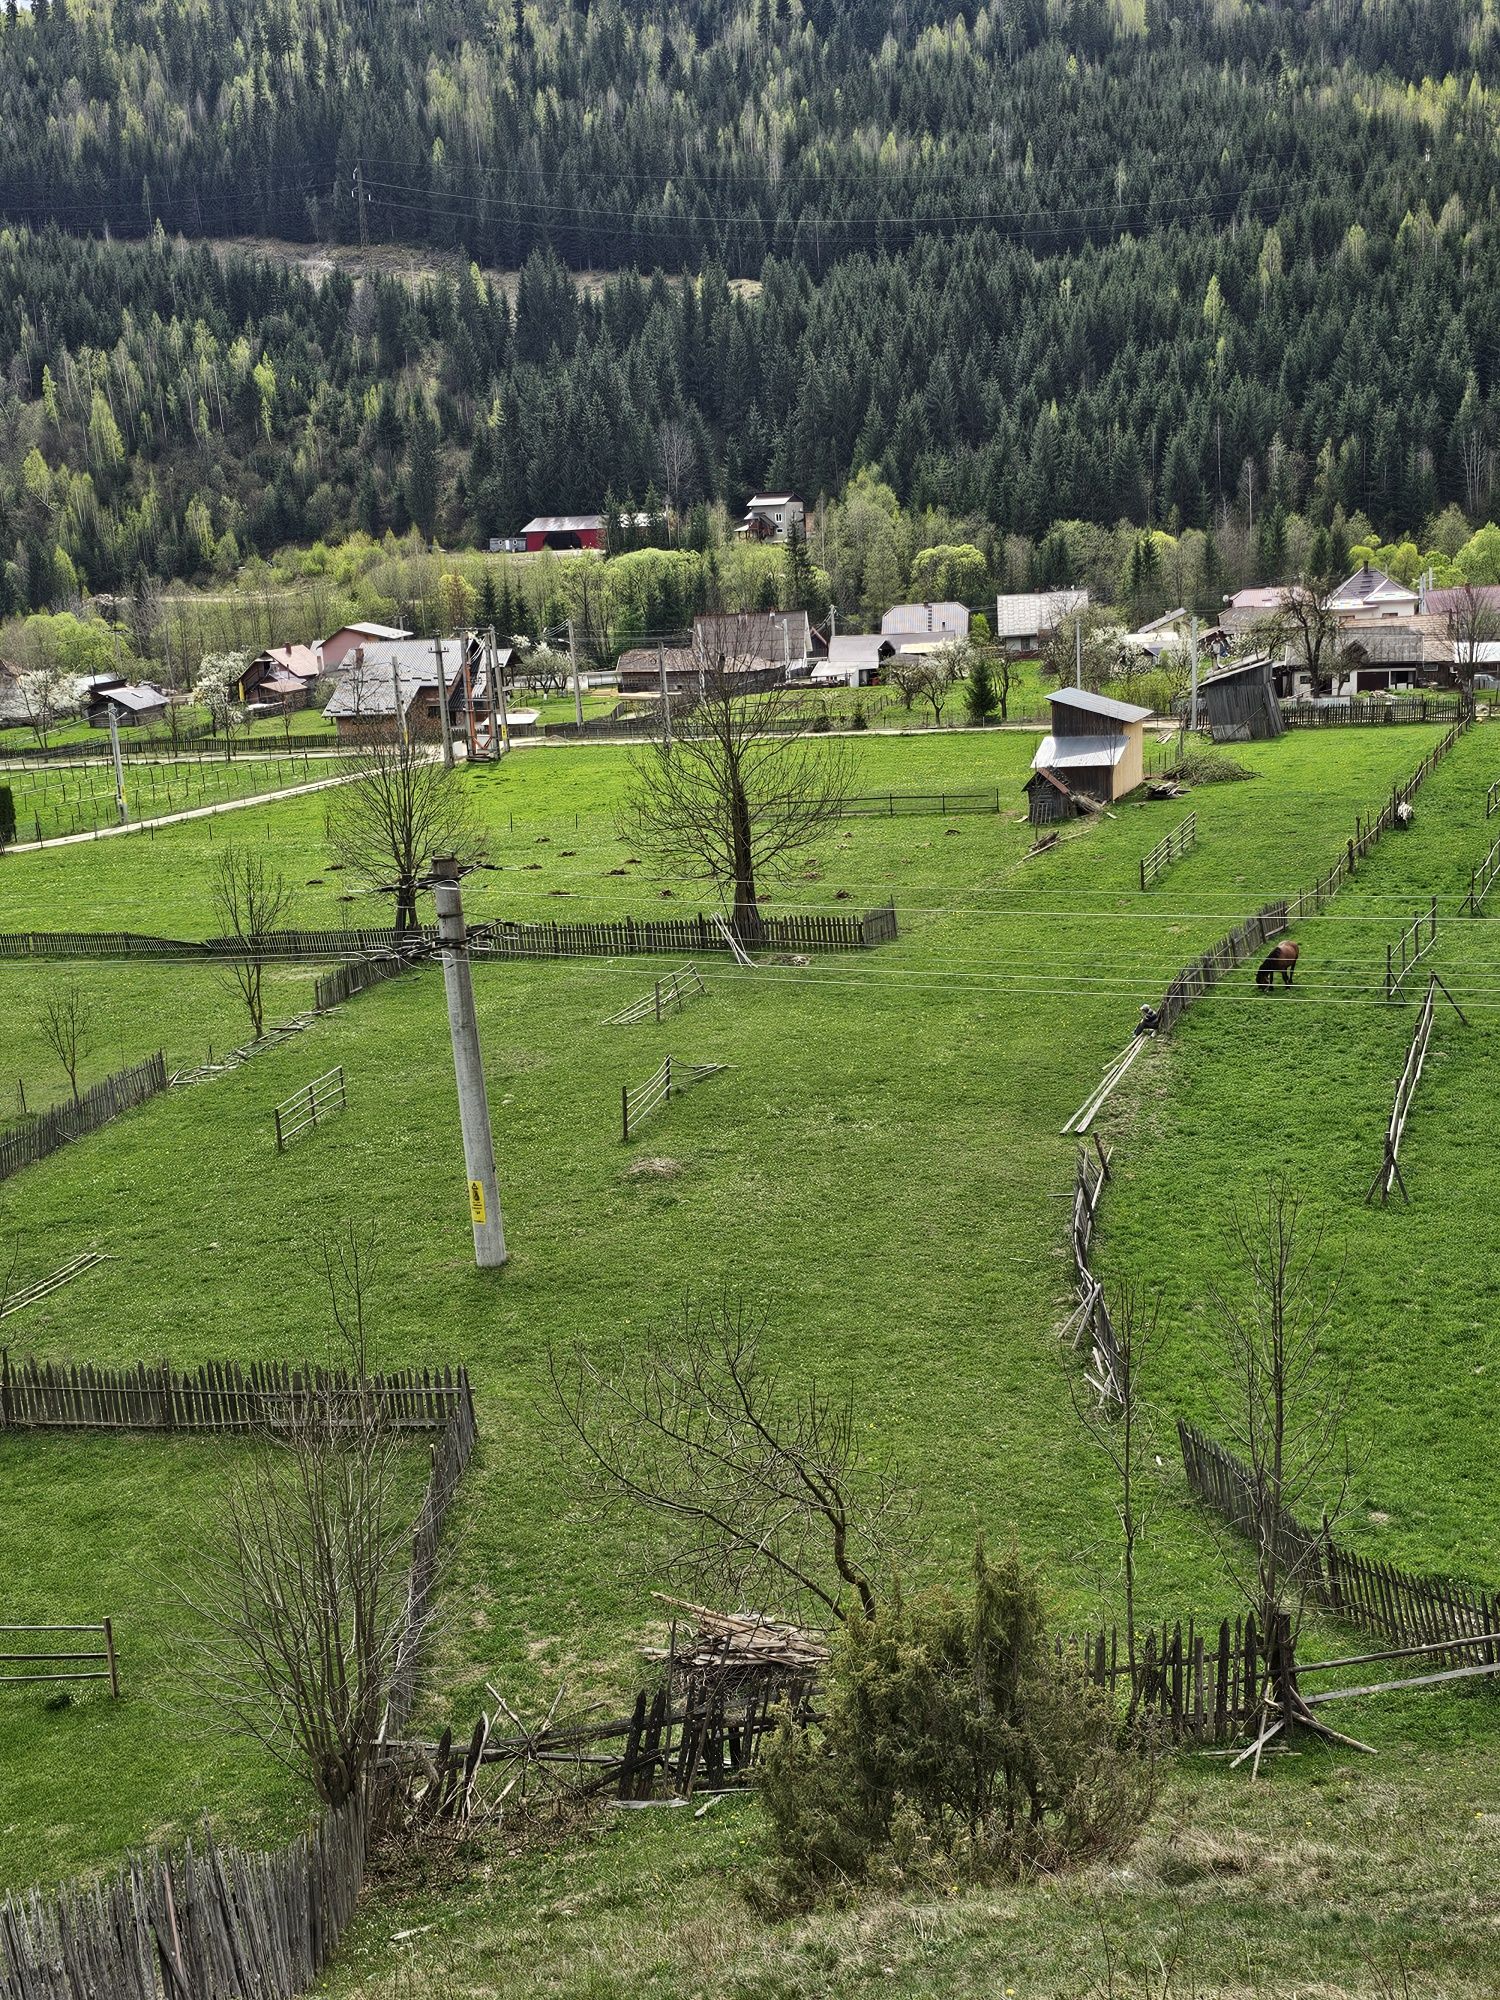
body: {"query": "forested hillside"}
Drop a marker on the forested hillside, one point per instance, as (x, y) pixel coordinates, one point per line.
(1029, 263)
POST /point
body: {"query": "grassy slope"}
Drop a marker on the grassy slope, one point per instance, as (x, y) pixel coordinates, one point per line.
(898, 1110)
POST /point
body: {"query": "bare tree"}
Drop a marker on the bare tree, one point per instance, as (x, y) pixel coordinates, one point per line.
(937, 675)
(674, 445)
(1472, 623)
(299, 1590)
(1099, 657)
(46, 695)
(1121, 1429)
(739, 789)
(1306, 626)
(66, 1026)
(400, 809)
(250, 900)
(1285, 1417)
(755, 1487)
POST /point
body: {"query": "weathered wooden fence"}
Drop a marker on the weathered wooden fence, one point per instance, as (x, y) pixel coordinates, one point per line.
(943, 805)
(317, 1100)
(1414, 943)
(1090, 1318)
(637, 1104)
(1481, 881)
(218, 1396)
(674, 991)
(96, 1106)
(1203, 973)
(1390, 1174)
(1195, 1688)
(1395, 1604)
(98, 1664)
(1370, 713)
(210, 1924)
(333, 988)
(1171, 847)
(1492, 800)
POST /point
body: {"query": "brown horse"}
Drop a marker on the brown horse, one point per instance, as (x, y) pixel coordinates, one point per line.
(1283, 960)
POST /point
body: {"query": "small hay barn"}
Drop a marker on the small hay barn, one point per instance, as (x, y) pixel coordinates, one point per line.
(1096, 749)
(1239, 703)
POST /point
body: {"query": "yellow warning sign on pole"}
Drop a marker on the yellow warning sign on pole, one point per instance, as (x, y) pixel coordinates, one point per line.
(476, 1201)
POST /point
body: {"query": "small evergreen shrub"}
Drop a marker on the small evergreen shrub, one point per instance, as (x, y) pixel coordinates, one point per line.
(954, 1746)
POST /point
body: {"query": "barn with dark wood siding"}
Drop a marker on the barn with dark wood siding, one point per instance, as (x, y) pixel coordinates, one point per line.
(1239, 702)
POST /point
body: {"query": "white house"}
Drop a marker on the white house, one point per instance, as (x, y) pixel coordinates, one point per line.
(1370, 593)
(855, 661)
(772, 517)
(932, 622)
(1023, 620)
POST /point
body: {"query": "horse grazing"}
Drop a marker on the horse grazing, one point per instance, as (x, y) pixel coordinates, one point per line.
(1283, 960)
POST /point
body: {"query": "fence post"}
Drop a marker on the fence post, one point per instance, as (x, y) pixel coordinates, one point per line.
(281, 1143)
(625, 1112)
(668, 1066)
(658, 1003)
(312, 1102)
(109, 1649)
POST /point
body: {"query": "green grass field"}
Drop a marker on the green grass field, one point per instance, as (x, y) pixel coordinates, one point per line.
(880, 1167)
(64, 798)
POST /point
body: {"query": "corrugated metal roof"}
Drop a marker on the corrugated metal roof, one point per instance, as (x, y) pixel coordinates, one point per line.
(1078, 753)
(935, 620)
(562, 524)
(1023, 613)
(858, 649)
(1099, 704)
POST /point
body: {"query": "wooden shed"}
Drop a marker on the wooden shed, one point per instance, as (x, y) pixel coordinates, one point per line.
(1048, 799)
(1238, 703)
(1097, 746)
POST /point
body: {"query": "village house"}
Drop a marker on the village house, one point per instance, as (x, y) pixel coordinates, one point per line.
(282, 677)
(1172, 632)
(395, 691)
(339, 646)
(855, 660)
(1026, 620)
(1370, 593)
(135, 705)
(760, 648)
(772, 517)
(920, 627)
(1096, 751)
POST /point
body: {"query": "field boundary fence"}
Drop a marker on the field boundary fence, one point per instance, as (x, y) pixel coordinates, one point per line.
(224, 1923)
(637, 1104)
(1400, 1605)
(1492, 800)
(95, 1107)
(1390, 1174)
(941, 805)
(674, 991)
(317, 1100)
(1413, 945)
(1481, 881)
(1195, 1688)
(100, 1664)
(1357, 714)
(1171, 847)
(1089, 1319)
(332, 989)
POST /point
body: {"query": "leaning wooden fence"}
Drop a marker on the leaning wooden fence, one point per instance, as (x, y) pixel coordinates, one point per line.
(99, 1663)
(637, 1104)
(331, 989)
(1413, 945)
(1390, 1174)
(1171, 847)
(674, 991)
(1194, 1688)
(1481, 881)
(302, 1111)
(1103, 1371)
(1203, 973)
(97, 1105)
(1395, 1604)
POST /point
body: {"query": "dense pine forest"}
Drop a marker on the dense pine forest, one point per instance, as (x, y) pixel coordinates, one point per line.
(1026, 263)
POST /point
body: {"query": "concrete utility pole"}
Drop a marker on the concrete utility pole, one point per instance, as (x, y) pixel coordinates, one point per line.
(442, 687)
(577, 682)
(499, 721)
(1193, 659)
(359, 203)
(114, 743)
(468, 1068)
(1078, 649)
(666, 698)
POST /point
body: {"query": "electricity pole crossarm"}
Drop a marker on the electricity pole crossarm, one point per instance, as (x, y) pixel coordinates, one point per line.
(468, 1069)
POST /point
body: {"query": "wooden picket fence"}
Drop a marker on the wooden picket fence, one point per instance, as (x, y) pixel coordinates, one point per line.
(210, 1924)
(1367, 713)
(264, 1396)
(1203, 973)
(1171, 847)
(96, 1106)
(1413, 945)
(1400, 1605)
(1192, 1687)
(331, 989)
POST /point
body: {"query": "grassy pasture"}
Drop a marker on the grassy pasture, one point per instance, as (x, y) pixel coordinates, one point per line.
(881, 1167)
(58, 799)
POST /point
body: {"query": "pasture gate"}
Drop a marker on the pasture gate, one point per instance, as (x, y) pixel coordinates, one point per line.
(99, 1663)
(302, 1110)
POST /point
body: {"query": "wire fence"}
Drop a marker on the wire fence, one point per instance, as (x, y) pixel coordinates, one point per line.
(1413, 945)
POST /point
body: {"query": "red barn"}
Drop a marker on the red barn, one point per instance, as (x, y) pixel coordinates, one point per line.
(564, 531)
